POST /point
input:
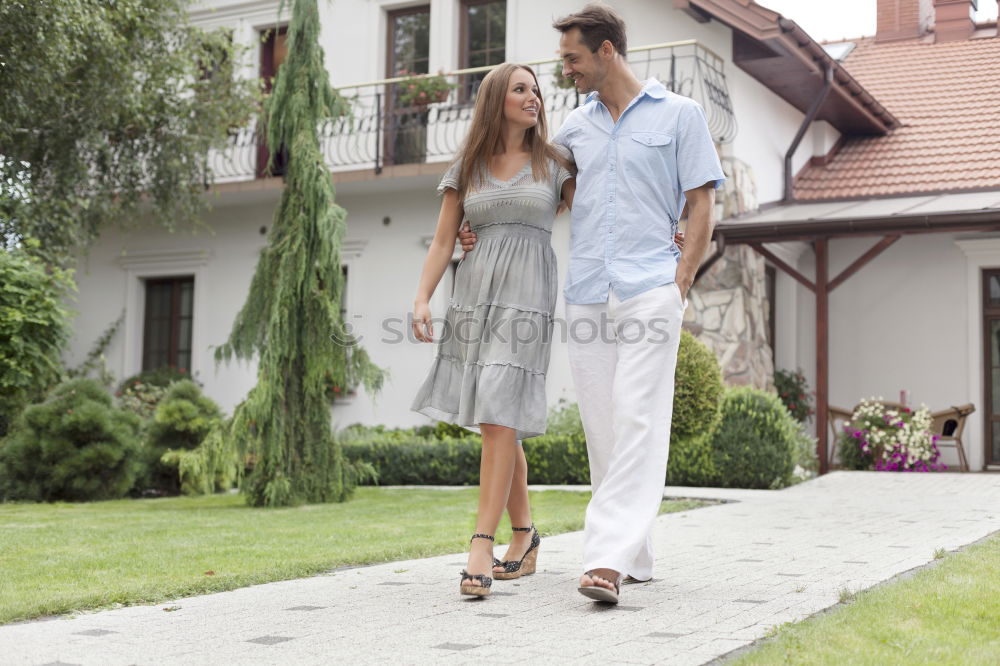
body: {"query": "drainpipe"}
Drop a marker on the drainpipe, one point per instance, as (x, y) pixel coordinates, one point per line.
(811, 116)
(720, 249)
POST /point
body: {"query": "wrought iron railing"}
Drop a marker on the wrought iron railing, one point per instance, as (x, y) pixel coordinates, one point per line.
(379, 131)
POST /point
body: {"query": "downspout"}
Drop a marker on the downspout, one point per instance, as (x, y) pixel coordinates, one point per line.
(720, 249)
(810, 117)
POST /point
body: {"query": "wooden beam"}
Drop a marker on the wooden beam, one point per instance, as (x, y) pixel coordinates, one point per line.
(873, 252)
(698, 14)
(770, 256)
(822, 355)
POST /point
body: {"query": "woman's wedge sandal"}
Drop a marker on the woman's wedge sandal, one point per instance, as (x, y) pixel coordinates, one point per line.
(483, 589)
(528, 562)
(598, 593)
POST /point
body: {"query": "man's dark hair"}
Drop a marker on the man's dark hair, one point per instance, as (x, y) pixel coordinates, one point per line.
(597, 22)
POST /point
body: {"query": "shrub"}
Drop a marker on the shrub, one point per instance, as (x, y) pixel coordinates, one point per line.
(794, 392)
(163, 377)
(141, 399)
(182, 420)
(805, 459)
(403, 457)
(697, 390)
(564, 419)
(889, 439)
(691, 462)
(74, 447)
(754, 443)
(141, 393)
(214, 465)
(34, 326)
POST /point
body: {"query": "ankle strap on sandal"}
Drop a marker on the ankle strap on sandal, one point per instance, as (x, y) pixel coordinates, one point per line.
(481, 536)
(523, 529)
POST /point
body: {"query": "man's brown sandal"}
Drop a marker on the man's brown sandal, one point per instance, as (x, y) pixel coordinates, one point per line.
(598, 593)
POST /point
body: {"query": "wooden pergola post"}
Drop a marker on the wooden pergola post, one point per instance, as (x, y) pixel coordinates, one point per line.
(821, 286)
(822, 353)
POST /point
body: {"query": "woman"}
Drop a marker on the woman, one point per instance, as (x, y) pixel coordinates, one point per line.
(489, 372)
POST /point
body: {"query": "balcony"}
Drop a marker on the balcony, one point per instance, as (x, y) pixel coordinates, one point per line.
(379, 132)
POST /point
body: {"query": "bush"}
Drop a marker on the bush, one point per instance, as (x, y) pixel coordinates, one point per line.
(34, 326)
(698, 390)
(805, 459)
(890, 439)
(404, 457)
(754, 443)
(564, 419)
(794, 392)
(141, 393)
(182, 420)
(691, 462)
(73, 447)
(215, 465)
(162, 377)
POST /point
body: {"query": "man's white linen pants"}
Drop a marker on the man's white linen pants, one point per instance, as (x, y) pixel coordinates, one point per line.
(622, 356)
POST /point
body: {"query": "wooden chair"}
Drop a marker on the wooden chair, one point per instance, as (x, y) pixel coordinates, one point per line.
(948, 425)
(837, 417)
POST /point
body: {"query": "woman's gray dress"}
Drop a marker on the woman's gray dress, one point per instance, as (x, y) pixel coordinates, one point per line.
(493, 351)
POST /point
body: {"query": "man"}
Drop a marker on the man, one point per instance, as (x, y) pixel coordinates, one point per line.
(641, 153)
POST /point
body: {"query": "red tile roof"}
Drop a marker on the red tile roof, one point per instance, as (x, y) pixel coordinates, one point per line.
(948, 98)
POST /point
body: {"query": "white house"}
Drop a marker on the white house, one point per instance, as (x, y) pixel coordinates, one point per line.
(756, 74)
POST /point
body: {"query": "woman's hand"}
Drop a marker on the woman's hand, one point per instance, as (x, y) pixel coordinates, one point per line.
(423, 328)
(679, 240)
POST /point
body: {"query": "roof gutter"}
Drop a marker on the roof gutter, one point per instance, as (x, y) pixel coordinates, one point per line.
(775, 232)
(806, 122)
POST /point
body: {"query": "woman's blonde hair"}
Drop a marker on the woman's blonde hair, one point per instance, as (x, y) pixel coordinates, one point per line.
(485, 138)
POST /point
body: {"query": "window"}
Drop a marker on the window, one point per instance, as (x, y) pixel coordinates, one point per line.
(408, 41)
(168, 323)
(273, 51)
(408, 52)
(483, 37)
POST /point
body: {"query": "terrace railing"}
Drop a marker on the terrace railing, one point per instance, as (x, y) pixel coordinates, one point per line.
(379, 131)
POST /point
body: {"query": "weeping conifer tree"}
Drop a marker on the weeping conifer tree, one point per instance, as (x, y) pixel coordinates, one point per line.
(291, 320)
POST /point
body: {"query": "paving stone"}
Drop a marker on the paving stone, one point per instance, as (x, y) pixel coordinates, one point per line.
(718, 587)
(270, 640)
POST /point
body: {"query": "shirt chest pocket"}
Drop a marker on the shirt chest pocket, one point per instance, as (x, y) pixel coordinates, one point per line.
(651, 153)
(653, 139)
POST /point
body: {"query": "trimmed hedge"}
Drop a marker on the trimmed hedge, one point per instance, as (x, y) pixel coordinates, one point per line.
(73, 447)
(754, 443)
(403, 457)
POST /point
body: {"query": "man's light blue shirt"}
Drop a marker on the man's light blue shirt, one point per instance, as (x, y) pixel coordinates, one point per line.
(630, 187)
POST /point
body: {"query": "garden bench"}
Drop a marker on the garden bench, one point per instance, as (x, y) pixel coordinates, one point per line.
(947, 424)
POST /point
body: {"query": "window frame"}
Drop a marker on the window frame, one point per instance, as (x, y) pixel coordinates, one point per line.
(173, 342)
(464, 54)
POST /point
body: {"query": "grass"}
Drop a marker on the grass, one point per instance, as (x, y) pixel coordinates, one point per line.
(946, 614)
(56, 558)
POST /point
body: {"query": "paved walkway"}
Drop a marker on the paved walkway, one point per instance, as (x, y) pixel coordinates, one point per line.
(725, 575)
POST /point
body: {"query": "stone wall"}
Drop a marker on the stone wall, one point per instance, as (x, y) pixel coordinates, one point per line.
(728, 308)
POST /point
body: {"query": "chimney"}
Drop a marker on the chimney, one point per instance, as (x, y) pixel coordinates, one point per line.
(954, 20)
(903, 19)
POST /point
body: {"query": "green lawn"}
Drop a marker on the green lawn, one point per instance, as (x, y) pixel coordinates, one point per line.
(947, 614)
(56, 558)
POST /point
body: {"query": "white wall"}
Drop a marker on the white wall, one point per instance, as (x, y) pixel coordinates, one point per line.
(384, 271)
(902, 322)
